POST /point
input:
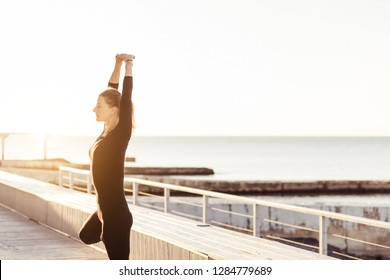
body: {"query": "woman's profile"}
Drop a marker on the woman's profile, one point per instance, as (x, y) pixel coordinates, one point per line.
(112, 221)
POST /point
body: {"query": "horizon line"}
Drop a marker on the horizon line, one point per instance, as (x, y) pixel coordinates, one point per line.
(2, 134)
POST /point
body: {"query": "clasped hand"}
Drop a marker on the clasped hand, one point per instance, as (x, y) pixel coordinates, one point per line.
(125, 57)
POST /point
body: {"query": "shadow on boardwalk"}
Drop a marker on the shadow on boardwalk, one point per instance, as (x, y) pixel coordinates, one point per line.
(24, 239)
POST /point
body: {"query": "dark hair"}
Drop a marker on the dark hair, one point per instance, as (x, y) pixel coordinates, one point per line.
(113, 98)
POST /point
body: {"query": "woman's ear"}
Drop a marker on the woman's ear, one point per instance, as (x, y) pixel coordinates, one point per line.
(115, 111)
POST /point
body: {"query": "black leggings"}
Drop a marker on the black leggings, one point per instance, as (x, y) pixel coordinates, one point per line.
(116, 236)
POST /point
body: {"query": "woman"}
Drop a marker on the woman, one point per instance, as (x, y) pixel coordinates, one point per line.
(112, 221)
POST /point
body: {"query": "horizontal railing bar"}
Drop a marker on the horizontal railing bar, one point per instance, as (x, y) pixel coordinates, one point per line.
(231, 212)
(74, 170)
(76, 187)
(149, 194)
(361, 241)
(148, 205)
(231, 226)
(290, 225)
(347, 256)
(129, 190)
(186, 215)
(80, 180)
(293, 242)
(185, 202)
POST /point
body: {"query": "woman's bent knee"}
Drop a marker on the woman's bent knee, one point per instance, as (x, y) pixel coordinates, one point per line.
(89, 238)
(91, 231)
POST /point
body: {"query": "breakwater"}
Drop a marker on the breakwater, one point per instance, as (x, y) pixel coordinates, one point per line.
(53, 164)
(279, 187)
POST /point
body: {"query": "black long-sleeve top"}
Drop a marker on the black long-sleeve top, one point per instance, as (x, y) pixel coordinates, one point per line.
(108, 157)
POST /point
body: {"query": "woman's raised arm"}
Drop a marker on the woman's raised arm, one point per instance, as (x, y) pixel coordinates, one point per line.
(126, 106)
(114, 79)
(129, 65)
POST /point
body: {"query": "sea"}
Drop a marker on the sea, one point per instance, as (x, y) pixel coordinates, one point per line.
(232, 158)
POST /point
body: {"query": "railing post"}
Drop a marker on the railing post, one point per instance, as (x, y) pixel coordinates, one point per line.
(60, 177)
(89, 183)
(256, 220)
(206, 207)
(323, 236)
(135, 193)
(3, 136)
(166, 200)
(45, 140)
(71, 180)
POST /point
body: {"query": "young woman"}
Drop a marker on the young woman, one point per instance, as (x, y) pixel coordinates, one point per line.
(112, 221)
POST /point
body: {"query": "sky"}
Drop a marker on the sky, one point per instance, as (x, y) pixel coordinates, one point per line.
(204, 67)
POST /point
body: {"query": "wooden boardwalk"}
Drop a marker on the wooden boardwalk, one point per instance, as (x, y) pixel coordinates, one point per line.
(155, 235)
(24, 239)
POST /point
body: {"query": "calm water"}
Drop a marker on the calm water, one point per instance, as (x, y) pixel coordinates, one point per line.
(236, 158)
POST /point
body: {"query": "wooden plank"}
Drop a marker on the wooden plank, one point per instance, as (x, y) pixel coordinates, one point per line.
(23, 239)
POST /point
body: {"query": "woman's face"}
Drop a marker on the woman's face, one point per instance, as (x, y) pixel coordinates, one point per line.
(103, 111)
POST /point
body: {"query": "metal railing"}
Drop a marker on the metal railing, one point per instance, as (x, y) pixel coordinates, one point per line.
(5, 135)
(322, 216)
(72, 179)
